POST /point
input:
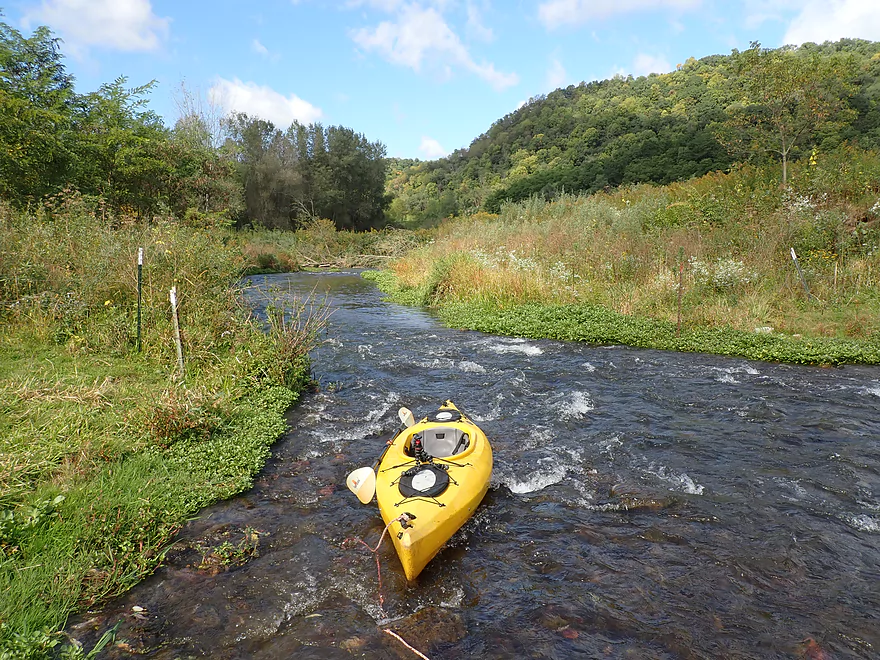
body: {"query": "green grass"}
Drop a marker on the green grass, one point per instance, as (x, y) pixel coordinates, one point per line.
(600, 325)
(106, 452)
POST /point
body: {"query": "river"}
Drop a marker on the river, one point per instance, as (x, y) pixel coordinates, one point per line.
(643, 504)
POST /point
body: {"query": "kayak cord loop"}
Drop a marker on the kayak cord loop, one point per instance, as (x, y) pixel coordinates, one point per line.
(404, 520)
(402, 641)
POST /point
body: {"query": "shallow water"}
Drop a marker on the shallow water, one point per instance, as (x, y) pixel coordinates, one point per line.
(643, 505)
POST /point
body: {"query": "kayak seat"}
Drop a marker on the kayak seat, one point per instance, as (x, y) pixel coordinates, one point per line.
(442, 441)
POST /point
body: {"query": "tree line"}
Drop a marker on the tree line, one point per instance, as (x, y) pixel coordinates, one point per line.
(110, 147)
(760, 105)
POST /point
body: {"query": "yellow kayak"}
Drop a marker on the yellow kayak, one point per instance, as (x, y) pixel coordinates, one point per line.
(436, 472)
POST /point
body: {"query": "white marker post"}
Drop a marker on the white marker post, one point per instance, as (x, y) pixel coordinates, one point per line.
(177, 341)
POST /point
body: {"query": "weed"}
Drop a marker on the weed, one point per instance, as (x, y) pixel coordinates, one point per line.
(103, 454)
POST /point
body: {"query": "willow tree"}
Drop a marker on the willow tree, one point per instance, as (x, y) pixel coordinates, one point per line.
(785, 99)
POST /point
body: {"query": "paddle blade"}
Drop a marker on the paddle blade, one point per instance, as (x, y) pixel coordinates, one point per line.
(362, 482)
(406, 417)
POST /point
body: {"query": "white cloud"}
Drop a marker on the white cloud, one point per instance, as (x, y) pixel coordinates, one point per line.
(421, 34)
(556, 13)
(431, 149)
(475, 27)
(258, 47)
(261, 101)
(830, 20)
(758, 12)
(556, 75)
(384, 5)
(645, 64)
(126, 25)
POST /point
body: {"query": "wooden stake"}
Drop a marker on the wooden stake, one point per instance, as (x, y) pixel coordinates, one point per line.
(800, 273)
(177, 340)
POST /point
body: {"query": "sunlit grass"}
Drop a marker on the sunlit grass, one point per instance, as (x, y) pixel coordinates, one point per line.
(714, 252)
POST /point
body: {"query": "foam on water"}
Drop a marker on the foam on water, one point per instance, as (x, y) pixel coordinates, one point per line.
(872, 389)
(491, 414)
(681, 482)
(607, 447)
(540, 479)
(436, 363)
(471, 367)
(863, 523)
(727, 374)
(514, 346)
(589, 367)
(453, 599)
(537, 436)
(575, 406)
(796, 492)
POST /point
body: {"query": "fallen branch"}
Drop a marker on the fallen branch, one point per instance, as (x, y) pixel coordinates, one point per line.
(402, 641)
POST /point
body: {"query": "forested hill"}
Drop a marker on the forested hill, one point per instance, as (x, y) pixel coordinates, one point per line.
(704, 116)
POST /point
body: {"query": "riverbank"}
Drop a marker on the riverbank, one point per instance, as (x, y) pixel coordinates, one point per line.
(319, 245)
(105, 451)
(704, 265)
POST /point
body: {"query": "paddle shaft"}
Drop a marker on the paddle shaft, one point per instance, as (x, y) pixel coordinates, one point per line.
(387, 447)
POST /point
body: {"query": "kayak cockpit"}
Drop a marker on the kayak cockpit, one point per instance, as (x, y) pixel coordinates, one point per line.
(444, 441)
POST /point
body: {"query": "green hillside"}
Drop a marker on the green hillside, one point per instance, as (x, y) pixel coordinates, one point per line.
(651, 129)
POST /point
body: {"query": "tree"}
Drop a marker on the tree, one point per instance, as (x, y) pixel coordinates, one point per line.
(787, 97)
(36, 103)
(308, 172)
(121, 148)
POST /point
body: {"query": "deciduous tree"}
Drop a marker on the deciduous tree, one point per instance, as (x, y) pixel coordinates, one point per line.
(786, 98)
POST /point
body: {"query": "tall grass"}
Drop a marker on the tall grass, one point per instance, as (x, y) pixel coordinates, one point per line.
(104, 451)
(726, 238)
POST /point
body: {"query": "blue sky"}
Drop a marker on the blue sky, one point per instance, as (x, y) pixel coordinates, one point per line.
(425, 77)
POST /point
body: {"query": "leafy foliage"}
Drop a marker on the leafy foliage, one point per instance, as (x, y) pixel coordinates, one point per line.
(623, 266)
(112, 149)
(788, 96)
(654, 129)
(104, 455)
(37, 103)
(308, 172)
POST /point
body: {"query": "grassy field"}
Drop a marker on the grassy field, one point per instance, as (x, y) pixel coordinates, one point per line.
(105, 451)
(703, 265)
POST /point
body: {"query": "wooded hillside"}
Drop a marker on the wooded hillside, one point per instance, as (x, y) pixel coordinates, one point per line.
(656, 128)
(758, 105)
